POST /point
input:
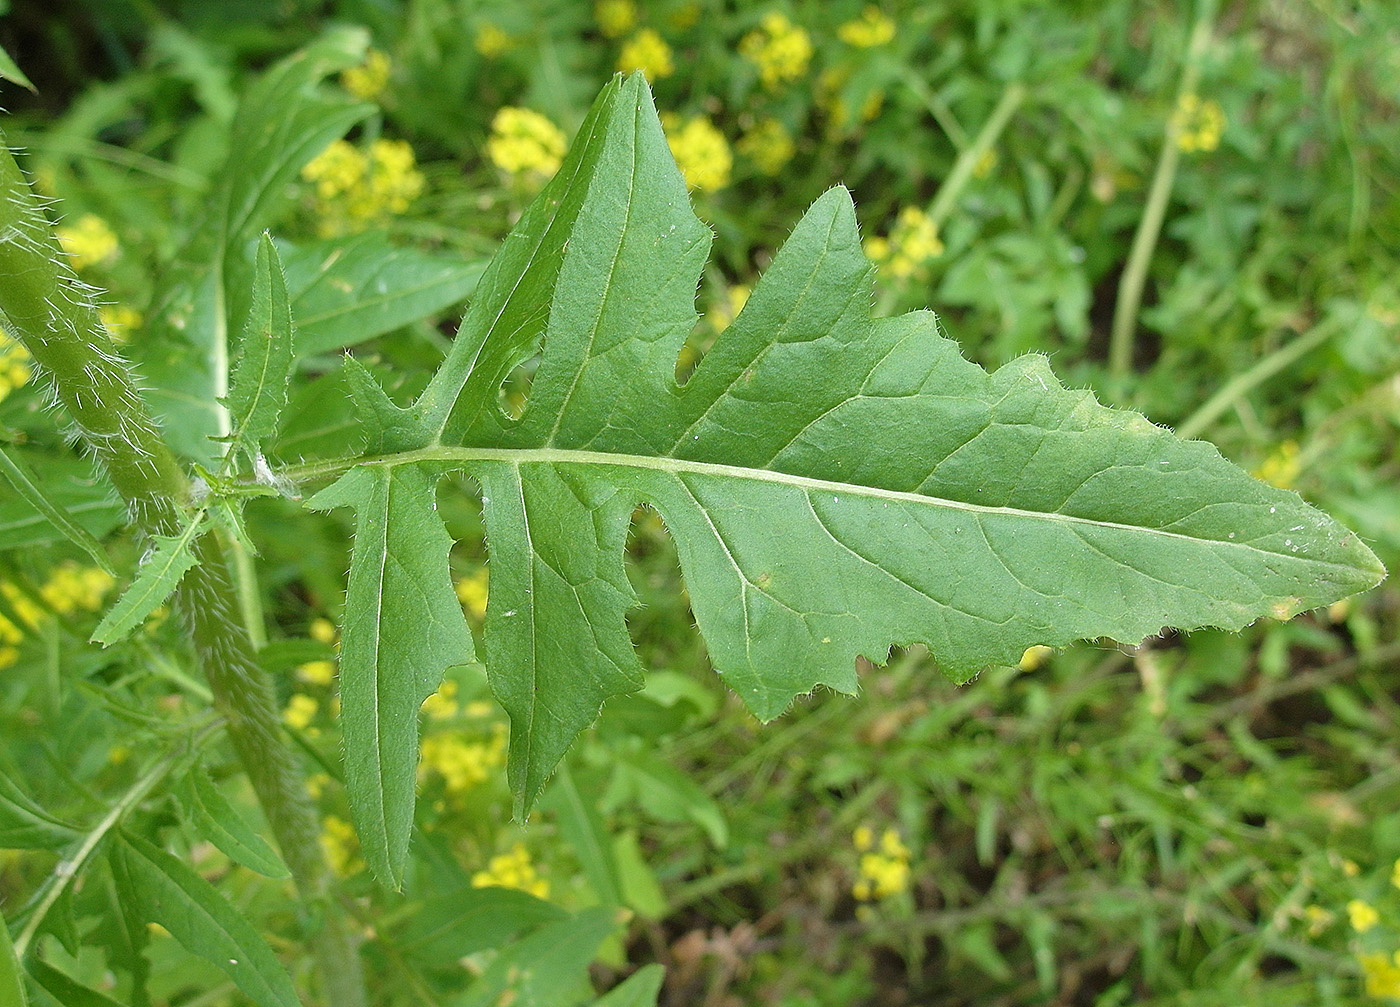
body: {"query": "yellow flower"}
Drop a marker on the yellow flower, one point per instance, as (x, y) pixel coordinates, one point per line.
(1034, 657)
(355, 189)
(512, 870)
(1197, 124)
(490, 40)
(768, 145)
(1363, 915)
(872, 28)
(14, 364)
(341, 846)
(1283, 466)
(1319, 919)
(883, 871)
(368, 80)
(525, 145)
(71, 587)
(472, 592)
(88, 242)
(648, 52)
(780, 49)
(299, 712)
(615, 17)
(701, 152)
(316, 672)
(461, 764)
(912, 244)
(322, 631)
(442, 704)
(1382, 974)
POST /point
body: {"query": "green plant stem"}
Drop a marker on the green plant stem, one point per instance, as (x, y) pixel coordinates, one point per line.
(71, 866)
(1125, 309)
(1242, 384)
(55, 315)
(966, 164)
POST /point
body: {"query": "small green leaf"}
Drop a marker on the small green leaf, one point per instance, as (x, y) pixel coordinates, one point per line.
(26, 826)
(11, 981)
(170, 558)
(163, 890)
(450, 926)
(67, 483)
(10, 70)
(545, 967)
(583, 832)
(639, 990)
(17, 472)
(258, 392)
(347, 290)
(217, 821)
(403, 628)
(64, 989)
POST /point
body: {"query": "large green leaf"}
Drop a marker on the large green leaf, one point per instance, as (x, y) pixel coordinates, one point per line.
(347, 290)
(403, 627)
(835, 484)
(164, 890)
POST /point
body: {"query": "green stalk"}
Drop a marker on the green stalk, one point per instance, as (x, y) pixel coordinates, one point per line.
(55, 315)
(1125, 310)
(1242, 384)
(966, 163)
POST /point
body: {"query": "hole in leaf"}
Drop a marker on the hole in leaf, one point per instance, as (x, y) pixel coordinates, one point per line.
(513, 397)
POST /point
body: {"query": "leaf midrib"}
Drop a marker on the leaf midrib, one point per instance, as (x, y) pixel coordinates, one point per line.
(680, 466)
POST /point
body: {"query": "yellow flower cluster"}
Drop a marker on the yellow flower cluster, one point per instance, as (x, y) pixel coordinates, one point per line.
(88, 242)
(368, 80)
(119, 321)
(491, 41)
(780, 49)
(884, 871)
(442, 705)
(512, 870)
(871, 29)
(1198, 124)
(472, 592)
(768, 145)
(912, 244)
(701, 152)
(648, 52)
(320, 672)
(70, 588)
(1362, 915)
(341, 846)
(525, 145)
(355, 189)
(14, 364)
(462, 764)
(1382, 973)
(615, 17)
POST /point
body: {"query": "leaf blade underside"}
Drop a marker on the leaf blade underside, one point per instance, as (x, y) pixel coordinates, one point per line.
(835, 485)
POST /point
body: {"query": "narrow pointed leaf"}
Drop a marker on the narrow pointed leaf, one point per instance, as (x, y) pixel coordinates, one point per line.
(9, 70)
(347, 290)
(403, 628)
(11, 981)
(218, 822)
(641, 989)
(258, 392)
(26, 826)
(66, 482)
(19, 476)
(164, 890)
(171, 557)
(64, 989)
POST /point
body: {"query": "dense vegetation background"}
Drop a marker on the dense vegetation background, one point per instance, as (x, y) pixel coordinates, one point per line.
(1207, 819)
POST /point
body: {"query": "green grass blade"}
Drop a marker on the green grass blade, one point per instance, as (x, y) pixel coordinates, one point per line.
(24, 483)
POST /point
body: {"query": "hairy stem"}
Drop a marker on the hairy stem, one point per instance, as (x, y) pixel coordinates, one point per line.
(55, 315)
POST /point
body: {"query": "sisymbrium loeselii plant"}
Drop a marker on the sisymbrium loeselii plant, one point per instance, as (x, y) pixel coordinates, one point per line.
(835, 485)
